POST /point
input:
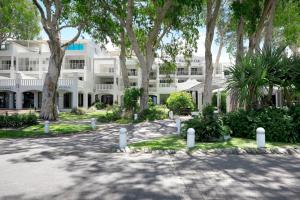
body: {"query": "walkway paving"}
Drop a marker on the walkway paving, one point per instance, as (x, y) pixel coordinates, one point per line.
(78, 167)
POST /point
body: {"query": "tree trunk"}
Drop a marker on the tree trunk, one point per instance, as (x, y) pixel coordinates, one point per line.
(254, 39)
(212, 14)
(123, 61)
(49, 108)
(240, 40)
(269, 27)
(219, 51)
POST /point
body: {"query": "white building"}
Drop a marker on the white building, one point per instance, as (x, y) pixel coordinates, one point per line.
(88, 73)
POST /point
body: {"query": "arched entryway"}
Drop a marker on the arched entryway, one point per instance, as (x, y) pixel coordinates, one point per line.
(67, 103)
(107, 99)
(7, 100)
(154, 99)
(32, 99)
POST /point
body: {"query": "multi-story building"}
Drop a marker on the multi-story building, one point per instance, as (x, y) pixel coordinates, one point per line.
(88, 73)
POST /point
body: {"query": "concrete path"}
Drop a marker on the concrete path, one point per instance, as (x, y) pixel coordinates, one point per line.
(104, 140)
(78, 167)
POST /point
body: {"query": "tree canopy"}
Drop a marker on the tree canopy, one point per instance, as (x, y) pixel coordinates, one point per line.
(19, 19)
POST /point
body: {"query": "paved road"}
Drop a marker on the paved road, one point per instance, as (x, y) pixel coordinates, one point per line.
(79, 167)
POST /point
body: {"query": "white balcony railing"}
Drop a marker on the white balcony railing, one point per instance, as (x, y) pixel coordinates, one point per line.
(7, 82)
(31, 82)
(104, 87)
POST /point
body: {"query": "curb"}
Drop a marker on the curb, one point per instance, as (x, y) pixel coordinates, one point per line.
(227, 151)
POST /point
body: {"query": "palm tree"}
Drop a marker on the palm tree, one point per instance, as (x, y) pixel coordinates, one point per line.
(272, 59)
(248, 79)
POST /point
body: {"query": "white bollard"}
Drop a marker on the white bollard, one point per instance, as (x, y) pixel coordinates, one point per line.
(47, 127)
(190, 138)
(171, 115)
(135, 117)
(260, 137)
(178, 125)
(123, 138)
(93, 123)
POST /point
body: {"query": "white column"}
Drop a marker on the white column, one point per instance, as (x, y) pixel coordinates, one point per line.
(228, 102)
(200, 100)
(74, 99)
(36, 99)
(85, 100)
(60, 100)
(219, 100)
(93, 98)
(158, 99)
(11, 100)
(115, 98)
(19, 100)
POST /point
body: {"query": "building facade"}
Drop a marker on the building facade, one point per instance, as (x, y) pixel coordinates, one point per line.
(90, 73)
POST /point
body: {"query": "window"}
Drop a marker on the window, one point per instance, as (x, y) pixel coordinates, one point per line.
(181, 80)
(5, 65)
(132, 84)
(218, 69)
(182, 71)
(76, 64)
(196, 71)
(132, 72)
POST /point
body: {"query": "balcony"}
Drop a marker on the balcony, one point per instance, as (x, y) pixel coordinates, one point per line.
(64, 84)
(104, 87)
(28, 68)
(74, 66)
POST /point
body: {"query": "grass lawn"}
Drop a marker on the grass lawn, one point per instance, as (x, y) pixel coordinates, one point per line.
(38, 130)
(67, 116)
(176, 143)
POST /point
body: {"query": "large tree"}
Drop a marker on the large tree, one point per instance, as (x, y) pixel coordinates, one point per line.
(105, 28)
(18, 20)
(212, 9)
(55, 16)
(148, 22)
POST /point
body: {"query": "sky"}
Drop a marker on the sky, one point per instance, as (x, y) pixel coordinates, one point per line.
(69, 33)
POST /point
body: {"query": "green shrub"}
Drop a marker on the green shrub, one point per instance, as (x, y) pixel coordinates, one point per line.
(112, 116)
(180, 102)
(208, 126)
(18, 120)
(156, 112)
(294, 112)
(99, 105)
(78, 111)
(277, 122)
(131, 96)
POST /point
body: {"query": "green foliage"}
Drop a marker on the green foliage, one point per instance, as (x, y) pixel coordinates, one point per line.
(131, 96)
(208, 127)
(113, 115)
(247, 79)
(179, 102)
(18, 20)
(17, 120)
(78, 111)
(278, 123)
(99, 105)
(156, 112)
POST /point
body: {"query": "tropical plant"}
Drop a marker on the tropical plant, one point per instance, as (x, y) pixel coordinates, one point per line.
(247, 80)
(179, 102)
(208, 127)
(131, 96)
